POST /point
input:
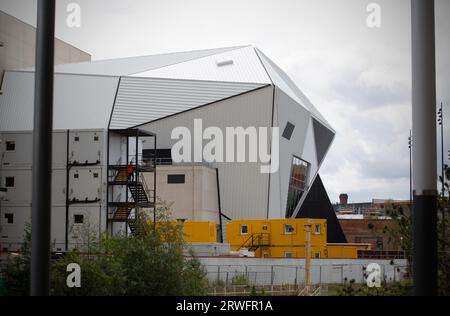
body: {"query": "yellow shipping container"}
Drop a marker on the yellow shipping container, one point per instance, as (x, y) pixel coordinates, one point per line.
(278, 237)
(204, 232)
(342, 251)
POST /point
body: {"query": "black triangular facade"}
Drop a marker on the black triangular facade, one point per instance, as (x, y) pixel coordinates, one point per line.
(318, 205)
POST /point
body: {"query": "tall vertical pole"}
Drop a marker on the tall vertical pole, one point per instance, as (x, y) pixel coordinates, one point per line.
(136, 170)
(424, 149)
(154, 183)
(42, 149)
(307, 258)
(441, 124)
(410, 169)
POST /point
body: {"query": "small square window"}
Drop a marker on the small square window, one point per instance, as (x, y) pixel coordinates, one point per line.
(9, 182)
(288, 229)
(175, 178)
(317, 255)
(77, 138)
(95, 175)
(10, 146)
(288, 130)
(78, 218)
(244, 229)
(264, 227)
(317, 229)
(9, 218)
(76, 175)
(288, 254)
(95, 138)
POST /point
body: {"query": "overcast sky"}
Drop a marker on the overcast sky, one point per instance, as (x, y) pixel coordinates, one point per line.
(358, 77)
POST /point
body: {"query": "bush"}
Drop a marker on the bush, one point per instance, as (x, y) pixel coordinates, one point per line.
(386, 289)
(148, 263)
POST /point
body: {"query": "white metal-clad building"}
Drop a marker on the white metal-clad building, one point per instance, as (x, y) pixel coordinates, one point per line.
(96, 101)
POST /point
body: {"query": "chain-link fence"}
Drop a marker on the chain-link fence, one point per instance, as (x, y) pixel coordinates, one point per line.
(283, 275)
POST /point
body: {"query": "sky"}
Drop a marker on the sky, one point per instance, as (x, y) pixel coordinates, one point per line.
(358, 77)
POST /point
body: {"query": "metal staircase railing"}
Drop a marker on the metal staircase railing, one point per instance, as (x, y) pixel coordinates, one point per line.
(255, 241)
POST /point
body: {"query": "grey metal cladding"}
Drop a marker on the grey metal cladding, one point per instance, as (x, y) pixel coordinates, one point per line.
(142, 100)
(323, 138)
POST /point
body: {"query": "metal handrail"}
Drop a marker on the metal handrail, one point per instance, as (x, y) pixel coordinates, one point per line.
(145, 186)
(259, 237)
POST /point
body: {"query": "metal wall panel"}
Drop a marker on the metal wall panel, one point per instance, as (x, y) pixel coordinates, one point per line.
(282, 80)
(21, 157)
(85, 183)
(20, 193)
(141, 100)
(286, 110)
(132, 65)
(86, 146)
(240, 65)
(81, 234)
(80, 101)
(11, 236)
(243, 189)
(310, 154)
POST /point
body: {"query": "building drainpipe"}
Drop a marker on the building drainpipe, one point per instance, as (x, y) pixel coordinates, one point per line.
(220, 208)
(424, 149)
(42, 149)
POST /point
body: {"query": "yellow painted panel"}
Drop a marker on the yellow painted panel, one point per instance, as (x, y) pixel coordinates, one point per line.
(204, 232)
(342, 252)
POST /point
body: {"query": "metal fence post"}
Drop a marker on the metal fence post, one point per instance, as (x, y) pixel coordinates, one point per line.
(218, 275)
(320, 275)
(271, 278)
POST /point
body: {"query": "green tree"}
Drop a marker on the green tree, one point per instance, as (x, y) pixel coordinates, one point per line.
(15, 270)
(150, 262)
(400, 233)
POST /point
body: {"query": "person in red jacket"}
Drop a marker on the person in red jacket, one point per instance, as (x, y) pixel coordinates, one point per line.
(130, 169)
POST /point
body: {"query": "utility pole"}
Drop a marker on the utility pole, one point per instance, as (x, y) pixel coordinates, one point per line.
(307, 258)
(424, 149)
(42, 149)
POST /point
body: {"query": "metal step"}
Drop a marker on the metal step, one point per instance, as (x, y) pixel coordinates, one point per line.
(121, 213)
(138, 193)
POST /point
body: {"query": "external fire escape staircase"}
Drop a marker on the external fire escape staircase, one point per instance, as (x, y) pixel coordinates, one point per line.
(127, 192)
(139, 197)
(256, 241)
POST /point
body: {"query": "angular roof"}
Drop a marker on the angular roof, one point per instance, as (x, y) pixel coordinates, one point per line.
(132, 65)
(209, 75)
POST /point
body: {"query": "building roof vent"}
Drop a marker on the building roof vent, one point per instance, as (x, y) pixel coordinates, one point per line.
(224, 62)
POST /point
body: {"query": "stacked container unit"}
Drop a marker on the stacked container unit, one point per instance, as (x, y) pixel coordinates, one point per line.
(78, 197)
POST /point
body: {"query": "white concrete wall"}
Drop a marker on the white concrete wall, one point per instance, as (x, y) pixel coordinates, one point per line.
(196, 199)
(265, 271)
